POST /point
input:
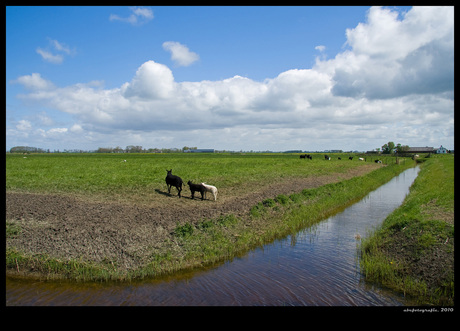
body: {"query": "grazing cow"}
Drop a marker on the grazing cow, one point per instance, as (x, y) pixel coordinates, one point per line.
(172, 180)
(350, 158)
(378, 161)
(196, 188)
(361, 159)
(303, 156)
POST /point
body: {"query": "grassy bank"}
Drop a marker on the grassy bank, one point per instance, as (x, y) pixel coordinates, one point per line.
(413, 251)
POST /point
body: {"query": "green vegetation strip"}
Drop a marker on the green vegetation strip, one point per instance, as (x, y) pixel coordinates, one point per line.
(213, 241)
(413, 251)
(135, 178)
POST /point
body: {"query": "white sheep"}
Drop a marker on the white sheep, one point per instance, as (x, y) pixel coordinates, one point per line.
(210, 188)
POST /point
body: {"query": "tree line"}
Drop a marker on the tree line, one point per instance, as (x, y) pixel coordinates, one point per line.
(391, 148)
(139, 149)
(388, 148)
(118, 149)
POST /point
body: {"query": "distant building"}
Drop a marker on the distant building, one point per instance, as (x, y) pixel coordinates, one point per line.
(199, 150)
(441, 150)
(416, 150)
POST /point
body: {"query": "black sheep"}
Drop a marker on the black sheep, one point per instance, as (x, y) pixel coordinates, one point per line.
(172, 180)
(197, 188)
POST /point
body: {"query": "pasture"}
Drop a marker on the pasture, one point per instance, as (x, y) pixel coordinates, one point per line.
(141, 179)
(95, 216)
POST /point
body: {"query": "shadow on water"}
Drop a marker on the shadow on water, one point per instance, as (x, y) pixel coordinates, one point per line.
(318, 266)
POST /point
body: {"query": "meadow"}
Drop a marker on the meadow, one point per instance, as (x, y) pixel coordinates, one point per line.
(109, 216)
(107, 177)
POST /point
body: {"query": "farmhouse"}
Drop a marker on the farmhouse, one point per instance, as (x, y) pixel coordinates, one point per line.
(441, 150)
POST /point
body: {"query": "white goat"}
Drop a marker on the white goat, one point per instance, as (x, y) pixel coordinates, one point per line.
(210, 188)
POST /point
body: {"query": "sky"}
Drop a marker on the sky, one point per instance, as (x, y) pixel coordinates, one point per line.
(306, 78)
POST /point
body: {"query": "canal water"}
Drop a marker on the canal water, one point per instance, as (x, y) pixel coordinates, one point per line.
(319, 266)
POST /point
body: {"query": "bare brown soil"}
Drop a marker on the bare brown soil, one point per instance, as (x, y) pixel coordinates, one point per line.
(67, 227)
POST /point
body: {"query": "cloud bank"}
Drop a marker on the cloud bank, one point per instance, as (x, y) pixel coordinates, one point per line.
(393, 82)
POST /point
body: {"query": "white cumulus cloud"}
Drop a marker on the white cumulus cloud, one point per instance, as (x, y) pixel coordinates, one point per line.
(392, 57)
(394, 82)
(153, 80)
(34, 82)
(180, 54)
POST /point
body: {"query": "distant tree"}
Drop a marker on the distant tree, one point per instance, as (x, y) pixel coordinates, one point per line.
(402, 148)
(26, 149)
(118, 149)
(133, 149)
(388, 148)
(154, 150)
(104, 150)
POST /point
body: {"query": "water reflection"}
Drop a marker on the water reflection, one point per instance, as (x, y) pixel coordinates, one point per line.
(317, 266)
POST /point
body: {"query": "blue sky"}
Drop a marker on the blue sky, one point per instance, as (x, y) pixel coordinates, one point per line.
(234, 78)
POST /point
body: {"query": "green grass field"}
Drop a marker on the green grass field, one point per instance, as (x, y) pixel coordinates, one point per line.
(108, 177)
(413, 251)
(142, 177)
